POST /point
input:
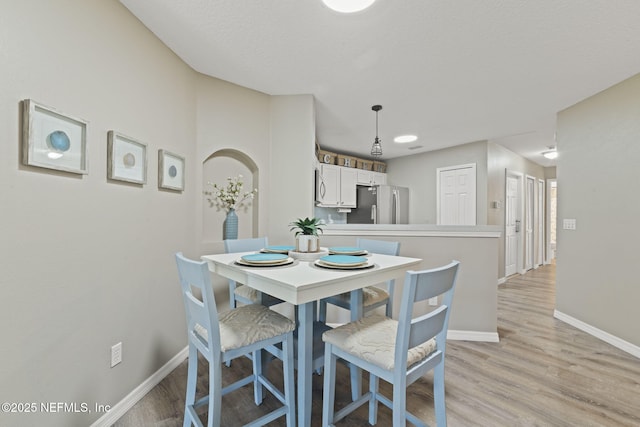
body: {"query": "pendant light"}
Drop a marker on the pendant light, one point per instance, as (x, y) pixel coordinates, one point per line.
(376, 148)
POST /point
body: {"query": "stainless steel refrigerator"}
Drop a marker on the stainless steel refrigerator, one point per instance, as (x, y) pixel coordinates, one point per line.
(380, 204)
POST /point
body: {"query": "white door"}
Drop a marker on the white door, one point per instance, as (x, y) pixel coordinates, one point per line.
(457, 195)
(541, 222)
(511, 226)
(529, 249)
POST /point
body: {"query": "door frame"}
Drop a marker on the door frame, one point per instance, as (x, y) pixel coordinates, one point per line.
(550, 254)
(519, 176)
(529, 217)
(540, 223)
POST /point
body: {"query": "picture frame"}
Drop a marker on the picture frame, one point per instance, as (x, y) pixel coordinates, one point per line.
(170, 171)
(126, 158)
(53, 140)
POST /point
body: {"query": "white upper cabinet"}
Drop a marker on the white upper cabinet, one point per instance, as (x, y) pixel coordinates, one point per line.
(348, 178)
(328, 185)
(371, 178)
(378, 178)
(364, 177)
(336, 186)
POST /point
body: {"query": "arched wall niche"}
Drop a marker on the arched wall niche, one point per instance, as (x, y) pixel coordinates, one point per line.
(216, 168)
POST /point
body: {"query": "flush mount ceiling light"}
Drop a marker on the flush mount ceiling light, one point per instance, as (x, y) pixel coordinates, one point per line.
(404, 139)
(348, 6)
(551, 154)
(376, 148)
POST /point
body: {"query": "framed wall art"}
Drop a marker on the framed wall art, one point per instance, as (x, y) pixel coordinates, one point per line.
(126, 158)
(53, 140)
(170, 171)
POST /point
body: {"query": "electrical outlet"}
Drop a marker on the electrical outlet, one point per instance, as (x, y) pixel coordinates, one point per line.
(433, 301)
(116, 354)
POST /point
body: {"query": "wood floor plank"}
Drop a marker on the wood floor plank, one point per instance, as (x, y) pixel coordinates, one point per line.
(543, 372)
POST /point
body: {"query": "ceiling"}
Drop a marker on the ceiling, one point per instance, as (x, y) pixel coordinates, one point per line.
(448, 71)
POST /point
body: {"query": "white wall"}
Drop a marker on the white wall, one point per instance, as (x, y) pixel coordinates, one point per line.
(291, 158)
(230, 117)
(419, 173)
(86, 263)
(598, 153)
(475, 302)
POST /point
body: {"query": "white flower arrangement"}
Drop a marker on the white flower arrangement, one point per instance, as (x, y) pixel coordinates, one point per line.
(231, 196)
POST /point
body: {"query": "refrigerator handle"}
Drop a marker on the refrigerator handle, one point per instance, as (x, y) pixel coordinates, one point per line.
(374, 214)
(394, 208)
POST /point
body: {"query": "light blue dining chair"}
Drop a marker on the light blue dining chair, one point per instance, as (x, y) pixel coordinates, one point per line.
(398, 351)
(243, 293)
(373, 296)
(221, 337)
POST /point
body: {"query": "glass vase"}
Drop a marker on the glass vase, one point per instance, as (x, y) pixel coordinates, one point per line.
(230, 226)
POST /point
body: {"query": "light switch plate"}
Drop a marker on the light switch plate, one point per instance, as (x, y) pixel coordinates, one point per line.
(569, 224)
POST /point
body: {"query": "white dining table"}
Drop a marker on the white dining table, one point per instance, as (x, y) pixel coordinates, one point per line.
(303, 283)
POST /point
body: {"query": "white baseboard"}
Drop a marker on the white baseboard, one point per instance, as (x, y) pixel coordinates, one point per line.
(473, 336)
(502, 280)
(623, 345)
(120, 408)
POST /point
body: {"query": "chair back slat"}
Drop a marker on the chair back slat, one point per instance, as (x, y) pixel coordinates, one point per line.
(421, 285)
(383, 247)
(427, 326)
(200, 310)
(437, 282)
(245, 245)
(378, 246)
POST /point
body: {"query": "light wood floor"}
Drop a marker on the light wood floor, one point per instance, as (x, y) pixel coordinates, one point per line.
(542, 373)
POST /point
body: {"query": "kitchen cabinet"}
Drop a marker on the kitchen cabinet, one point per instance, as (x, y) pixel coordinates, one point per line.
(371, 178)
(336, 186)
(379, 178)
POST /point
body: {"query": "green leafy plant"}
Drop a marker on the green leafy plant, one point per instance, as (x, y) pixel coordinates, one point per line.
(307, 226)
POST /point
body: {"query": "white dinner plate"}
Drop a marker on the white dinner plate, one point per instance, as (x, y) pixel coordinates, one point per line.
(343, 260)
(264, 258)
(368, 264)
(278, 249)
(347, 250)
(285, 261)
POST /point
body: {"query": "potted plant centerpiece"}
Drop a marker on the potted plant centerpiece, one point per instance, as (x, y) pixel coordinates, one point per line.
(307, 229)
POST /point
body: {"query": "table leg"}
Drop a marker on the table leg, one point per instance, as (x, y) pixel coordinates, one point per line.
(305, 362)
(357, 311)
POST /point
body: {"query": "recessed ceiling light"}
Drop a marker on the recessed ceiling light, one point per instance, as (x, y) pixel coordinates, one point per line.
(348, 6)
(403, 139)
(551, 154)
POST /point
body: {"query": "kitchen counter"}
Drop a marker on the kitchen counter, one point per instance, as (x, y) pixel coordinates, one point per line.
(425, 230)
(474, 314)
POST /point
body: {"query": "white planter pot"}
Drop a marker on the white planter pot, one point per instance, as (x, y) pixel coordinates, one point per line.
(307, 243)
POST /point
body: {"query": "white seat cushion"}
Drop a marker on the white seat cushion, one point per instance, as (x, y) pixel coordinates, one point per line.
(370, 295)
(373, 339)
(247, 292)
(248, 324)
